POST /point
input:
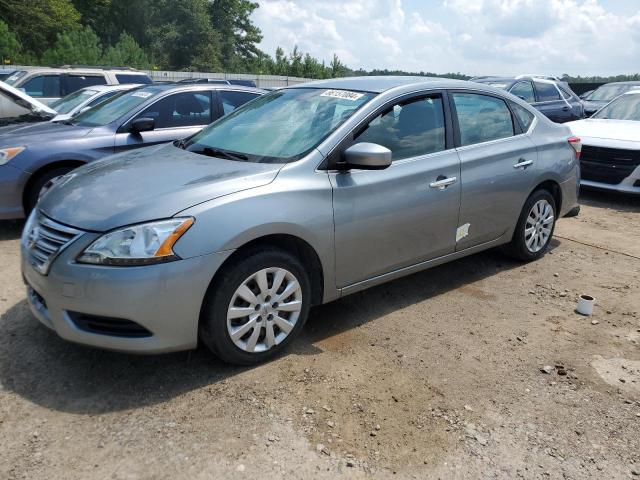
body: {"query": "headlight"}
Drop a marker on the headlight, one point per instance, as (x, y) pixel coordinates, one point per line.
(7, 154)
(138, 244)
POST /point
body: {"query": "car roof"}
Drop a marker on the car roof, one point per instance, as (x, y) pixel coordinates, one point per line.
(629, 82)
(163, 87)
(495, 79)
(379, 84)
(111, 88)
(82, 70)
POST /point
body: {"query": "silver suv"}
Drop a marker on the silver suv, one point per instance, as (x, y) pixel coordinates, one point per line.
(299, 197)
(50, 84)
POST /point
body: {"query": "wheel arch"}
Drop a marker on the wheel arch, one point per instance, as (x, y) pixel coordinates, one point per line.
(44, 169)
(553, 187)
(292, 244)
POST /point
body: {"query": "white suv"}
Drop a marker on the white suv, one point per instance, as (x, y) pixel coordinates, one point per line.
(49, 84)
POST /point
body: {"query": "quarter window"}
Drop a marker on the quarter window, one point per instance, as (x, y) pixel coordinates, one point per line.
(482, 118)
(547, 92)
(409, 129)
(232, 100)
(524, 116)
(524, 90)
(43, 86)
(180, 110)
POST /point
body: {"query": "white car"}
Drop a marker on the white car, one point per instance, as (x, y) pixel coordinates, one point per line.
(16, 107)
(84, 99)
(15, 103)
(610, 157)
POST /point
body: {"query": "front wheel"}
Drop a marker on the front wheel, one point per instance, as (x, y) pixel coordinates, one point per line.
(535, 227)
(256, 307)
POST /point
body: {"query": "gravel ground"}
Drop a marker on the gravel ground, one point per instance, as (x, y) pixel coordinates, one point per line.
(437, 375)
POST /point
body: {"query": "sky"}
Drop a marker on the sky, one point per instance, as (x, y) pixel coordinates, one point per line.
(476, 37)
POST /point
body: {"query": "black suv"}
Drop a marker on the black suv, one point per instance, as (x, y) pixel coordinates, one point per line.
(553, 97)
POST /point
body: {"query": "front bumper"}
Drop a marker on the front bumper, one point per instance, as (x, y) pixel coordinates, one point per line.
(630, 184)
(165, 299)
(12, 183)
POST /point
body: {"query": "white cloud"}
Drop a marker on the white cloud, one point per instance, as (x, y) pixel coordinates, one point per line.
(471, 36)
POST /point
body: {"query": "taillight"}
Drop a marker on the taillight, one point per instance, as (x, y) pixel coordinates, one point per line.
(576, 143)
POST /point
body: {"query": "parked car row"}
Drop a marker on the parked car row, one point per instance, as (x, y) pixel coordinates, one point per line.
(611, 137)
(34, 155)
(296, 198)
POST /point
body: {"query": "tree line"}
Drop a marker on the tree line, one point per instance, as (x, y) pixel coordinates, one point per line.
(187, 35)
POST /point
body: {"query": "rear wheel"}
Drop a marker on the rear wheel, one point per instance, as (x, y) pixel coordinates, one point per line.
(535, 227)
(256, 307)
(42, 185)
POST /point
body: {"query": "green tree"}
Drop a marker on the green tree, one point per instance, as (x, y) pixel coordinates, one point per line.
(295, 62)
(337, 68)
(281, 64)
(182, 36)
(127, 53)
(238, 35)
(75, 47)
(9, 45)
(36, 23)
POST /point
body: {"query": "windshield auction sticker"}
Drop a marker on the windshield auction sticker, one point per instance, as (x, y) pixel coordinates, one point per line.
(343, 94)
(141, 94)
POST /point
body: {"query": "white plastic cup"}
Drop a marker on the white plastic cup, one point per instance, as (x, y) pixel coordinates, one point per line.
(585, 304)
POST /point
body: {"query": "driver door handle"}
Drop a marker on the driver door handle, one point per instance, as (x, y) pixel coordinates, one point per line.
(522, 163)
(443, 182)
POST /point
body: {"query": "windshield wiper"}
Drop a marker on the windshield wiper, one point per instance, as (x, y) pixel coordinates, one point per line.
(180, 143)
(216, 152)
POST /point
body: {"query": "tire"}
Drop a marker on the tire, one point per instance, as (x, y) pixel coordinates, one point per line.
(251, 321)
(523, 246)
(42, 181)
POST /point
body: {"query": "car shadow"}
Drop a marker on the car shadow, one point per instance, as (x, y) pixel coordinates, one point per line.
(11, 229)
(39, 366)
(620, 202)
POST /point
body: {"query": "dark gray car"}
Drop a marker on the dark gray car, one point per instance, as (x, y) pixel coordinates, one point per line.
(34, 156)
(602, 95)
(553, 97)
(304, 195)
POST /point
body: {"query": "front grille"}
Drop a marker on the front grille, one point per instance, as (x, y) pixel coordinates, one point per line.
(115, 327)
(45, 239)
(607, 165)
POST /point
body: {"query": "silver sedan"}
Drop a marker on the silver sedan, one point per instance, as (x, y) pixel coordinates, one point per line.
(299, 197)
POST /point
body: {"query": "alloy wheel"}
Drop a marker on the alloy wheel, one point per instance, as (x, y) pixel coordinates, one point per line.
(539, 225)
(264, 309)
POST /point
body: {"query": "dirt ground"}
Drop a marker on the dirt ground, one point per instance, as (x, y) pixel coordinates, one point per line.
(437, 375)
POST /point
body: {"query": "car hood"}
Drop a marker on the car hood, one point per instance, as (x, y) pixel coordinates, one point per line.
(615, 130)
(26, 133)
(25, 101)
(147, 184)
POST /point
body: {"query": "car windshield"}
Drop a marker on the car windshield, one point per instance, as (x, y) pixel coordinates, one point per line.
(606, 93)
(626, 107)
(279, 127)
(15, 76)
(71, 101)
(114, 108)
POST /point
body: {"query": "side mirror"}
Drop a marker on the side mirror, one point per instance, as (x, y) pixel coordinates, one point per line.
(366, 156)
(143, 124)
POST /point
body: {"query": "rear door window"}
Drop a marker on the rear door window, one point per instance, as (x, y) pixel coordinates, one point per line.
(184, 109)
(524, 90)
(73, 83)
(482, 118)
(409, 129)
(231, 100)
(547, 92)
(43, 86)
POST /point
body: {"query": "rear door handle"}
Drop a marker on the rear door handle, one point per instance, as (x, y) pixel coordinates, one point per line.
(443, 182)
(522, 163)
